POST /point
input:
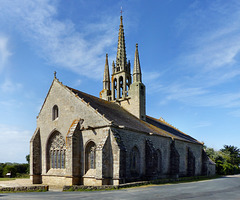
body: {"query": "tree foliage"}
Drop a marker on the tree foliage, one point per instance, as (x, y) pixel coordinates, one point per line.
(227, 159)
(16, 169)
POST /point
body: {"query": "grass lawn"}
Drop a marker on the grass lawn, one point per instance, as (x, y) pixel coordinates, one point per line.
(11, 179)
(7, 179)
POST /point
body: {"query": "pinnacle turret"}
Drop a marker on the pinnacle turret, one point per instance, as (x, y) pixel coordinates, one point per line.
(106, 76)
(137, 75)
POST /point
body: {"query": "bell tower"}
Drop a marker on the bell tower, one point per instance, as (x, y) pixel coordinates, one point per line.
(121, 76)
(126, 90)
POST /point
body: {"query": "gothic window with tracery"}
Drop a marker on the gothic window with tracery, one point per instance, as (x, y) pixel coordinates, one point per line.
(90, 156)
(57, 151)
(55, 112)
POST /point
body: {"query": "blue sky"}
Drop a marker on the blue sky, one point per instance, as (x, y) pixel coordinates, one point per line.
(189, 53)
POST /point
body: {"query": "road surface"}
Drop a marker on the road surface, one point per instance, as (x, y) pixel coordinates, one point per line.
(216, 189)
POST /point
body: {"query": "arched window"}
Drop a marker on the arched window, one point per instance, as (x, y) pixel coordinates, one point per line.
(127, 85)
(56, 151)
(135, 161)
(121, 86)
(90, 156)
(115, 88)
(55, 112)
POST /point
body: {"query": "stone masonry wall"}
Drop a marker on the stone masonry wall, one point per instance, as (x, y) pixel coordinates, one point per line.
(70, 108)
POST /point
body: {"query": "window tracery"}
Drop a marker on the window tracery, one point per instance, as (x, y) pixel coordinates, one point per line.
(57, 151)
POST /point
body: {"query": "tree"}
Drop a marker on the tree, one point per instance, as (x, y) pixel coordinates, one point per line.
(234, 157)
(227, 159)
(10, 169)
(234, 154)
(2, 165)
(28, 158)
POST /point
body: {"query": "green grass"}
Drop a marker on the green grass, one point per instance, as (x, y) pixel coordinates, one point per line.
(7, 179)
(23, 176)
(44, 190)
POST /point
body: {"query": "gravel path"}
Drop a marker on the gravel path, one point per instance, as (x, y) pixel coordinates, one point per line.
(26, 182)
(16, 183)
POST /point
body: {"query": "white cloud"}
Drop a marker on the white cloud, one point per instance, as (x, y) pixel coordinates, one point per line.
(4, 52)
(202, 124)
(14, 143)
(78, 83)
(178, 92)
(199, 96)
(209, 59)
(235, 113)
(213, 35)
(59, 42)
(8, 86)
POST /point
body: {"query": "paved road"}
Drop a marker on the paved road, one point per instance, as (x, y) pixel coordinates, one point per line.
(217, 189)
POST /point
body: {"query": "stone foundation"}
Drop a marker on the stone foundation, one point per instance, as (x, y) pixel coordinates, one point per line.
(57, 180)
(89, 181)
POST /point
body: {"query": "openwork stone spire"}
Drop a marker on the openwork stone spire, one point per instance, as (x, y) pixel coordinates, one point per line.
(106, 76)
(121, 61)
(137, 75)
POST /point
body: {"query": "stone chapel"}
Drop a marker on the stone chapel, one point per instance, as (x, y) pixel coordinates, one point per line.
(81, 139)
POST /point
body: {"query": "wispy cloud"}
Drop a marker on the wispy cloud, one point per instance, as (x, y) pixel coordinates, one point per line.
(209, 58)
(235, 113)
(215, 35)
(19, 140)
(178, 92)
(60, 42)
(203, 124)
(8, 86)
(4, 52)
(199, 96)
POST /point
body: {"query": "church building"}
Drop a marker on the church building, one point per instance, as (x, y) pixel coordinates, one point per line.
(81, 139)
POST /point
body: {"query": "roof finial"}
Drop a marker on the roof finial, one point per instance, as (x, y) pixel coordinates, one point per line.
(55, 73)
(121, 18)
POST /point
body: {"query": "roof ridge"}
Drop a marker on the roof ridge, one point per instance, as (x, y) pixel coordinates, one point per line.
(166, 123)
(78, 91)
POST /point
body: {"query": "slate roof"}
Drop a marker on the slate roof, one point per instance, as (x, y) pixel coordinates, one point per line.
(169, 128)
(121, 117)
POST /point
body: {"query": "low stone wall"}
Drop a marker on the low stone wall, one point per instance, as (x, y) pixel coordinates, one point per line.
(24, 188)
(109, 187)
